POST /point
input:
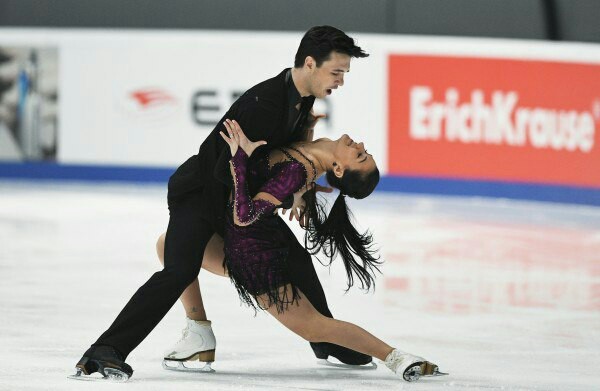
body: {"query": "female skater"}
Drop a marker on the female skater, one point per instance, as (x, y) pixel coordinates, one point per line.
(255, 250)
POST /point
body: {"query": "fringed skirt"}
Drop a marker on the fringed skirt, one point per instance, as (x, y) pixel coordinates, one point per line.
(256, 258)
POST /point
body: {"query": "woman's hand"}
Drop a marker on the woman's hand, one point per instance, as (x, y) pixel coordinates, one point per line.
(232, 141)
(237, 138)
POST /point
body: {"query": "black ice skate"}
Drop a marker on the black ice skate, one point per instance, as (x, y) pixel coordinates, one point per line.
(343, 357)
(104, 360)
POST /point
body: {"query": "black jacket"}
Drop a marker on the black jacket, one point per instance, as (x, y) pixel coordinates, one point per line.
(262, 112)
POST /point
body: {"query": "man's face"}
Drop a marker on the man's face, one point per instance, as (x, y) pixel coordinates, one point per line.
(329, 76)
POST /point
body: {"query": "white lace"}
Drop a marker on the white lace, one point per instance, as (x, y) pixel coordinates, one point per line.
(394, 359)
(184, 333)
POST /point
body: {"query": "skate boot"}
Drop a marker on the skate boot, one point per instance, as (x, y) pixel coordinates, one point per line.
(344, 357)
(197, 343)
(106, 361)
(410, 367)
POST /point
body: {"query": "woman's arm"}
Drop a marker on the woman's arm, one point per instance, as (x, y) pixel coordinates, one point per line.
(283, 183)
(246, 209)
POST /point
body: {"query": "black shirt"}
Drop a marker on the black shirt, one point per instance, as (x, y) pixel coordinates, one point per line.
(294, 100)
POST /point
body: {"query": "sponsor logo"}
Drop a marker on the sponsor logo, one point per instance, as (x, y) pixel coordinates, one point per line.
(496, 119)
(500, 121)
(151, 97)
(149, 104)
(209, 105)
(154, 105)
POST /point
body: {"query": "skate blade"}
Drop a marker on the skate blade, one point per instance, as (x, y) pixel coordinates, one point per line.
(438, 373)
(110, 374)
(430, 369)
(180, 367)
(424, 369)
(333, 364)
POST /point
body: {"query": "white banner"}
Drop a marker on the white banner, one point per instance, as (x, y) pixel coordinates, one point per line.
(149, 98)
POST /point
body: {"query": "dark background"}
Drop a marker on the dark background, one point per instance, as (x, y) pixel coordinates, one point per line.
(564, 20)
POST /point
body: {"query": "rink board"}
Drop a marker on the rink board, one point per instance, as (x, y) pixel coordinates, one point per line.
(133, 105)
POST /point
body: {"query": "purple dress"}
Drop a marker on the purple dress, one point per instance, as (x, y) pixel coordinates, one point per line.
(256, 238)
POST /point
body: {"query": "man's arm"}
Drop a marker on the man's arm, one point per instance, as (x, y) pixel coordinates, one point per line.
(261, 117)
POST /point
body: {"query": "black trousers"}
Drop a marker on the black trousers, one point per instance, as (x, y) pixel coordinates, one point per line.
(187, 236)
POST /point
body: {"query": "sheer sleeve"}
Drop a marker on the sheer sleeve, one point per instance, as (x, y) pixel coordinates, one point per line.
(285, 180)
(260, 117)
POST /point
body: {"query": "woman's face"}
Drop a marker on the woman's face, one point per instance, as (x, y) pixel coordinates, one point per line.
(351, 155)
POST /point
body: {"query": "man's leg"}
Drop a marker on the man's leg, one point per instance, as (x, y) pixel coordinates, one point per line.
(198, 342)
(191, 298)
(187, 236)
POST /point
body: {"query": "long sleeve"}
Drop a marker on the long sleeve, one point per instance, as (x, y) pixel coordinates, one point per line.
(260, 119)
(245, 209)
(285, 181)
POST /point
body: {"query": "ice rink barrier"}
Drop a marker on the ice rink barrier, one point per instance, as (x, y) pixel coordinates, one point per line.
(456, 116)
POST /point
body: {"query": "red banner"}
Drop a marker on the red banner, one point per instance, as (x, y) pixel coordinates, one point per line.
(496, 119)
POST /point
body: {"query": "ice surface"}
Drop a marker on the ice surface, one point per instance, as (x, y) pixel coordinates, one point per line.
(504, 295)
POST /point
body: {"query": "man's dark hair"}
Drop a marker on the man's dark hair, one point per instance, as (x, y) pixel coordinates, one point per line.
(320, 41)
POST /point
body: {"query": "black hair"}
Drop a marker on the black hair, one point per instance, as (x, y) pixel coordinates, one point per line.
(320, 41)
(334, 233)
(353, 183)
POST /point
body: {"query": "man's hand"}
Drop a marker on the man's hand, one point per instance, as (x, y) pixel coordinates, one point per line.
(311, 122)
(299, 206)
(312, 119)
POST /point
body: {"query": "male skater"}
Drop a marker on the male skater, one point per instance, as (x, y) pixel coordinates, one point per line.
(276, 111)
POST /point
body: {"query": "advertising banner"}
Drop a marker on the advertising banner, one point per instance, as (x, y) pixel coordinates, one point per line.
(491, 117)
(150, 98)
(494, 119)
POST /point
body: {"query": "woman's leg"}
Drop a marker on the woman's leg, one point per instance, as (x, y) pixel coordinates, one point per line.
(191, 297)
(309, 324)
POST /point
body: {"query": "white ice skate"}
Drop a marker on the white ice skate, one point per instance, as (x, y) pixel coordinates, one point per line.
(197, 343)
(410, 367)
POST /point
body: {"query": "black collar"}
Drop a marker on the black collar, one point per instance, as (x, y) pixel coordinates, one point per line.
(293, 94)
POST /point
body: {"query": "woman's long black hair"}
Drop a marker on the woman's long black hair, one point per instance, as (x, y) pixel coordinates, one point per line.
(334, 233)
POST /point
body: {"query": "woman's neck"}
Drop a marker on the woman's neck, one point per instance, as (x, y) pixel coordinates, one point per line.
(320, 153)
